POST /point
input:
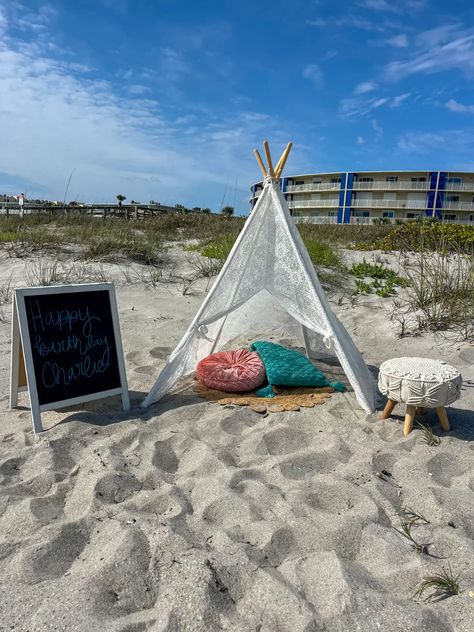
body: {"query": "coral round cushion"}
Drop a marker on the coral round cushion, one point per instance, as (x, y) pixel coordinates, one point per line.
(232, 371)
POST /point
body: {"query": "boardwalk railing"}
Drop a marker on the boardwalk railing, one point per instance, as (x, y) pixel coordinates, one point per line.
(126, 211)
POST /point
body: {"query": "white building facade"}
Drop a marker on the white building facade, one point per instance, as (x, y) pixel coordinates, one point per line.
(367, 197)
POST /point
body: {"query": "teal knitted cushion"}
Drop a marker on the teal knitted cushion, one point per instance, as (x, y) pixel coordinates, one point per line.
(287, 367)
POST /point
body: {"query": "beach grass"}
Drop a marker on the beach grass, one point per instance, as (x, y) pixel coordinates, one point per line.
(437, 260)
(440, 586)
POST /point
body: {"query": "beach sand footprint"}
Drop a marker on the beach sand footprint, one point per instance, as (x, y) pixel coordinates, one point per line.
(125, 584)
(160, 353)
(330, 455)
(283, 441)
(164, 457)
(54, 554)
(48, 509)
(443, 468)
(116, 487)
(240, 420)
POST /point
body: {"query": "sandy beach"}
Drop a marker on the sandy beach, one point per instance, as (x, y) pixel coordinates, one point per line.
(189, 516)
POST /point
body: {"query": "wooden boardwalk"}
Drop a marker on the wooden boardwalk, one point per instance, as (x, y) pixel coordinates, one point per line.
(125, 211)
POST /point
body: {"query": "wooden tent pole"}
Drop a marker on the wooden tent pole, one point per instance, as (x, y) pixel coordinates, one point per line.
(260, 163)
(278, 165)
(283, 159)
(269, 159)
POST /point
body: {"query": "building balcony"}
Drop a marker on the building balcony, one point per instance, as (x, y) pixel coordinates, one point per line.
(313, 203)
(314, 219)
(458, 206)
(321, 219)
(391, 204)
(313, 186)
(459, 186)
(381, 185)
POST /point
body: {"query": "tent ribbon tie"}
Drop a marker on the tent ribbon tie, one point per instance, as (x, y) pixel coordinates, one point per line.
(201, 331)
(328, 342)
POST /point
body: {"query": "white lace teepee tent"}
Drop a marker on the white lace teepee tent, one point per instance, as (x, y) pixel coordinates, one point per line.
(268, 280)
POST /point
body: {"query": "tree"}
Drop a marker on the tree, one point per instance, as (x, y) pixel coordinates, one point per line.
(121, 198)
(228, 210)
(206, 210)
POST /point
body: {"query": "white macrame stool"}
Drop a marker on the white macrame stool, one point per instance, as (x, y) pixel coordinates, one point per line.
(419, 383)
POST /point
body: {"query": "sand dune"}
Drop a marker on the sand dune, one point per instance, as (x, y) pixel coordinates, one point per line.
(192, 516)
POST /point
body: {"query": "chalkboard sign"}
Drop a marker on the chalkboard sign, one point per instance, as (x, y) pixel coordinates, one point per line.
(71, 343)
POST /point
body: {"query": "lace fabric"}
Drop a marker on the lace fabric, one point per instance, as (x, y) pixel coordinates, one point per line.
(268, 283)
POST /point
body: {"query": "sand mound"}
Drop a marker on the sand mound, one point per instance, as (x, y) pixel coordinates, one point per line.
(193, 516)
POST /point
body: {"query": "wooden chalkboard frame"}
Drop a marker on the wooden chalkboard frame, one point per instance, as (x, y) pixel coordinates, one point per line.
(22, 375)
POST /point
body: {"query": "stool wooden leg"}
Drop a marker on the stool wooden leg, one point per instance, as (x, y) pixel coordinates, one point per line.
(443, 418)
(387, 411)
(409, 419)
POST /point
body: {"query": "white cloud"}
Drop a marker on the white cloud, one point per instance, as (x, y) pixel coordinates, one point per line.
(360, 140)
(438, 35)
(377, 129)
(379, 5)
(437, 50)
(172, 64)
(429, 142)
(37, 21)
(455, 106)
(359, 106)
(351, 21)
(366, 86)
(3, 21)
(389, 6)
(420, 142)
(356, 107)
(379, 102)
(399, 41)
(314, 74)
(138, 89)
(398, 100)
(56, 118)
(317, 22)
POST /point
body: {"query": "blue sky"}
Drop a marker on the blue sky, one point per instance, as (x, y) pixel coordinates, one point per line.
(165, 99)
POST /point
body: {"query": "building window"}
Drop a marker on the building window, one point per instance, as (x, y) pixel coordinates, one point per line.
(413, 215)
(332, 213)
(449, 217)
(419, 179)
(392, 178)
(362, 214)
(365, 179)
(388, 214)
(452, 198)
(297, 182)
(335, 180)
(454, 180)
(317, 181)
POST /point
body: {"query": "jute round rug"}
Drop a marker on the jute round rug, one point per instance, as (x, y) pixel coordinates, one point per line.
(285, 398)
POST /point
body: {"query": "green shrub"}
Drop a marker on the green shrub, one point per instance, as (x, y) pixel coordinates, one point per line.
(219, 247)
(385, 281)
(427, 235)
(322, 254)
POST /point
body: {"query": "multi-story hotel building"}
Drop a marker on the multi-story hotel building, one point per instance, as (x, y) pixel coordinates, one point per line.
(368, 196)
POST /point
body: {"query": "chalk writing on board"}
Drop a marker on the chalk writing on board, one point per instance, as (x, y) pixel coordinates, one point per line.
(73, 344)
(53, 374)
